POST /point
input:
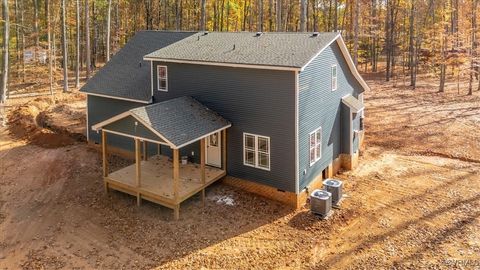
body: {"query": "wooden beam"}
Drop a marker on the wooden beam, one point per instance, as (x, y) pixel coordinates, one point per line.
(138, 168)
(202, 168)
(105, 159)
(145, 150)
(176, 178)
(224, 150)
(104, 154)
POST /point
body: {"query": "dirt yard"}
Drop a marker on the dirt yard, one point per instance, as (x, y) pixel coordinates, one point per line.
(414, 201)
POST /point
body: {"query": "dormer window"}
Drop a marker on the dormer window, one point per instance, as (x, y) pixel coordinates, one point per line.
(162, 82)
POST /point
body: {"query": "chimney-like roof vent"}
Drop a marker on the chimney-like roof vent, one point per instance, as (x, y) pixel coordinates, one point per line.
(315, 34)
(258, 34)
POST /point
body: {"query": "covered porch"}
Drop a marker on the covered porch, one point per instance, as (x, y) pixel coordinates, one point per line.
(161, 179)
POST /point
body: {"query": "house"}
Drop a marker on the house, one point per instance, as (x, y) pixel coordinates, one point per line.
(273, 113)
(35, 53)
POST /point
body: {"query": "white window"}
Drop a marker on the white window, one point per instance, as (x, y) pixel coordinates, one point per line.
(315, 146)
(256, 151)
(334, 77)
(162, 82)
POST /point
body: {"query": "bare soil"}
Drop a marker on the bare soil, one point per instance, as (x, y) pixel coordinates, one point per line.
(412, 203)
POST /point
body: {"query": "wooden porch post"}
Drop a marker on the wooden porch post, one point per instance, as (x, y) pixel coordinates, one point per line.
(176, 176)
(202, 168)
(145, 150)
(104, 158)
(224, 150)
(138, 160)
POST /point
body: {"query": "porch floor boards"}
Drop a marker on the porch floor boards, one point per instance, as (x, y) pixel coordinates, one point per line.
(156, 182)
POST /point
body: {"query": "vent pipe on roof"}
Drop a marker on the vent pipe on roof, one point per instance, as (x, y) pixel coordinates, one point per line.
(315, 34)
(258, 34)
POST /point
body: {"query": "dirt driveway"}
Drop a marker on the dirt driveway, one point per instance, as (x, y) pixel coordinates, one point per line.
(414, 202)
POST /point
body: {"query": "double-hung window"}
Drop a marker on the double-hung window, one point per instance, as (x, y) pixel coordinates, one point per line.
(256, 151)
(315, 146)
(162, 80)
(334, 77)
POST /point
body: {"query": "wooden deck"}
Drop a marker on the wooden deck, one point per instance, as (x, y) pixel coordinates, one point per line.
(156, 181)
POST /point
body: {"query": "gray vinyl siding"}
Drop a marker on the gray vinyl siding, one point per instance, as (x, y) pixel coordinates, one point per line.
(255, 101)
(319, 106)
(127, 126)
(101, 109)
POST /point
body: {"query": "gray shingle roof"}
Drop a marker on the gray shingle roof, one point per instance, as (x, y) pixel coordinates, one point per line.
(180, 120)
(269, 49)
(127, 75)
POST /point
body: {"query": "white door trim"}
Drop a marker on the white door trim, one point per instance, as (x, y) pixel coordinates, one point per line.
(215, 158)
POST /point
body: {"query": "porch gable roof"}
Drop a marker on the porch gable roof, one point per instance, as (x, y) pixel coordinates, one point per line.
(176, 122)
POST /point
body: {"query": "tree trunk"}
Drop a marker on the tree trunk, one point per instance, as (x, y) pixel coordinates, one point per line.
(303, 15)
(373, 33)
(95, 36)
(270, 15)
(64, 49)
(335, 16)
(109, 11)
(77, 60)
(6, 38)
(473, 52)
(260, 15)
(203, 20)
(279, 15)
(355, 32)
(49, 39)
(177, 15)
(22, 33)
(87, 39)
(411, 49)
(35, 24)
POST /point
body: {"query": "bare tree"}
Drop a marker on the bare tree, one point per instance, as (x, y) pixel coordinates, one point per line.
(411, 47)
(473, 48)
(355, 31)
(279, 15)
(64, 49)
(108, 28)
(77, 60)
(87, 40)
(49, 37)
(203, 20)
(35, 23)
(260, 15)
(335, 16)
(303, 15)
(6, 38)
(270, 15)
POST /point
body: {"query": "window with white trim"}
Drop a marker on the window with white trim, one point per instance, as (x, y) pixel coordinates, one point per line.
(334, 77)
(256, 151)
(162, 81)
(315, 146)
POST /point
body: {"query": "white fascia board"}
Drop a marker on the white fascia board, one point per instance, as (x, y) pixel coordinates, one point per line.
(120, 98)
